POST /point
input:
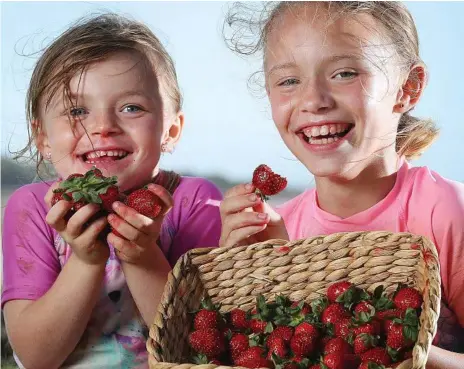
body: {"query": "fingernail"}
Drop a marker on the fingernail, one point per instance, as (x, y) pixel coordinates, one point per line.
(248, 186)
(262, 215)
(252, 198)
(116, 204)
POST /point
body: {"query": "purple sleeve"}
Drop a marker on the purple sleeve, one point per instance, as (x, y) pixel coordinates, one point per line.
(194, 220)
(30, 261)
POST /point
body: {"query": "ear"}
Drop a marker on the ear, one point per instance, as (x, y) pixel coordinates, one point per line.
(412, 89)
(40, 138)
(174, 132)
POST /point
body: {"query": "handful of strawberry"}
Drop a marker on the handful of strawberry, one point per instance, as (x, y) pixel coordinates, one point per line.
(94, 188)
(347, 328)
(267, 182)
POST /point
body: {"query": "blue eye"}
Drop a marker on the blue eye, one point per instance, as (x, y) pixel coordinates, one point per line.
(345, 75)
(131, 109)
(289, 82)
(74, 112)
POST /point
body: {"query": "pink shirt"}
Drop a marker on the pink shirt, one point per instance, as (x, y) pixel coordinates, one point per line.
(421, 202)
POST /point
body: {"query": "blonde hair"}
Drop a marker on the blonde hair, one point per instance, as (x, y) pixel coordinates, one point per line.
(250, 28)
(89, 40)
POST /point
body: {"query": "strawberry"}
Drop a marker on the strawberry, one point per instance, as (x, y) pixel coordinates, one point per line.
(276, 346)
(283, 332)
(305, 309)
(261, 316)
(267, 182)
(111, 195)
(363, 307)
(372, 328)
(337, 289)
(338, 360)
(257, 325)
(290, 365)
(58, 195)
(253, 358)
(145, 202)
(238, 319)
(396, 339)
(363, 342)
(378, 355)
(407, 297)
(337, 344)
(208, 316)
(77, 175)
(302, 344)
(333, 313)
(315, 366)
(238, 344)
(386, 317)
(342, 327)
(307, 328)
(209, 342)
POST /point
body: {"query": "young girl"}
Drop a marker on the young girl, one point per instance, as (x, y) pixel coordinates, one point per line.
(342, 79)
(104, 93)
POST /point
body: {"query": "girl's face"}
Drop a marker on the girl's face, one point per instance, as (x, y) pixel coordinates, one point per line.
(334, 90)
(121, 118)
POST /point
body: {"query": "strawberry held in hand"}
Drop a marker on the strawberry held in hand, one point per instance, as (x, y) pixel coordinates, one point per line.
(145, 202)
(267, 182)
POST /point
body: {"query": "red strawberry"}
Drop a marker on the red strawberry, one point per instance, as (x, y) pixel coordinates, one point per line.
(363, 307)
(342, 327)
(257, 325)
(238, 344)
(407, 298)
(98, 173)
(371, 365)
(208, 316)
(111, 195)
(253, 358)
(276, 346)
(337, 344)
(363, 342)
(290, 365)
(337, 289)
(302, 344)
(396, 339)
(74, 175)
(78, 204)
(305, 310)
(407, 355)
(267, 182)
(372, 328)
(385, 317)
(283, 332)
(57, 195)
(307, 328)
(238, 319)
(338, 360)
(207, 341)
(333, 313)
(378, 355)
(315, 366)
(145, 202)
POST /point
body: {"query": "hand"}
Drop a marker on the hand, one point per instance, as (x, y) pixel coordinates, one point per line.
(140, 232)
(246, 219)
(81, 237)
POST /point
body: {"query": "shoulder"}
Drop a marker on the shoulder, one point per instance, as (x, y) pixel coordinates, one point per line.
(28, 196)
(198, 188)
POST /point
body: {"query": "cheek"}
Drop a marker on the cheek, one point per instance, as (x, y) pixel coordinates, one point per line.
(282, 108)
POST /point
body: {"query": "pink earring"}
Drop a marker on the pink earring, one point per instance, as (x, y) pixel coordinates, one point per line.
(164, 147)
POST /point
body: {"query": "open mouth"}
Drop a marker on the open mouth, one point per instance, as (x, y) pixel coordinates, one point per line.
(326, 134)
(99, 156)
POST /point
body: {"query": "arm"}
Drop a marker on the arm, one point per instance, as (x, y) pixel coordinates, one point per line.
(443, 359)
(46, 309)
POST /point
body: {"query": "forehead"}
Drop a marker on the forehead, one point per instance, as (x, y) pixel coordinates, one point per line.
(314, 29)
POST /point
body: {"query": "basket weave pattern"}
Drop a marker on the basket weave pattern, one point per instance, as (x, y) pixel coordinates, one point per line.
(301, 270)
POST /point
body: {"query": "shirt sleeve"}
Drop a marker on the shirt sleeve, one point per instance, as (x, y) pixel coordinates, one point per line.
(195, 221)
(448, 232)
(30, 260)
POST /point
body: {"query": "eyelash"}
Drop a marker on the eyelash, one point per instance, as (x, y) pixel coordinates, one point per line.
(288, 82)
(74, 111)
(352, 74)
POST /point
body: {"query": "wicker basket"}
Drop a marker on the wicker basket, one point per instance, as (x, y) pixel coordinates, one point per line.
(302, 269)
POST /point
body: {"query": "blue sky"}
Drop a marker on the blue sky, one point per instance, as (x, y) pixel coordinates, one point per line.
(228, 128)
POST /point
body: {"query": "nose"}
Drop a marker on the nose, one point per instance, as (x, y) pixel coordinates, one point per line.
(315, 97)
(105, 124)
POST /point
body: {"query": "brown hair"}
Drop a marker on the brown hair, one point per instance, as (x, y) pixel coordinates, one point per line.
(89, 40)
(250, 28)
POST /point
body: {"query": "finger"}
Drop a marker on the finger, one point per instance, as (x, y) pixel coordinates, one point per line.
(125, 249)
(241, 220)
(127, 230)
(164, 195)
(238, 203)
(241, 189)
(79, 218)
(264, 207)
(237, 236)
(49, 195)
(126, 216)
(90, 234)
(56, 217)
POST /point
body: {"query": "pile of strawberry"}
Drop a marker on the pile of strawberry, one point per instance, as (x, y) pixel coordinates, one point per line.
(94, 188)
(348, 328)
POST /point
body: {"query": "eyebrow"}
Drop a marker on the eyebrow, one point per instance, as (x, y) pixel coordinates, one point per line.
(331, 59)
(122, 95)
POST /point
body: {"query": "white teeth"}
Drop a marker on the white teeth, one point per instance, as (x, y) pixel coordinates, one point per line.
(101, 153)
(324, 130)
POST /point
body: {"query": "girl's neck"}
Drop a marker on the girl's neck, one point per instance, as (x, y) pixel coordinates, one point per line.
(347, 197)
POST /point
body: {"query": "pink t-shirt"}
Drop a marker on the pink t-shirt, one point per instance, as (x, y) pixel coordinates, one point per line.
(34, 254)
(421, 202)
